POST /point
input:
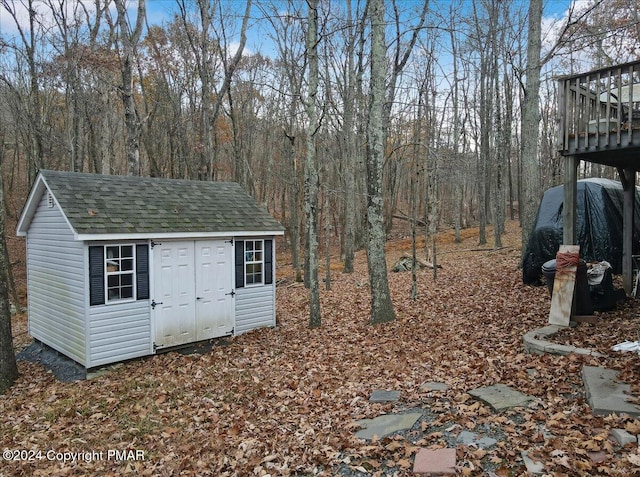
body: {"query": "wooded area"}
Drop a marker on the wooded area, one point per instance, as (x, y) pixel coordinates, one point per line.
(428, 116)
(86, 85)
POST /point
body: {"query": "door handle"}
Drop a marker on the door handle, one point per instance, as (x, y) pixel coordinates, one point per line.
(154, 304)
(233, 293)
(198, 298)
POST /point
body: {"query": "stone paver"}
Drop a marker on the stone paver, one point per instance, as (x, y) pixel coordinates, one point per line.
(501, 397)
(380, 395)
(622, 437)
(535, 342)
(605, 394)
(386, 424)
(435, 461)
(597, 457)
(468, 438)
(434, 386)
(534, 468)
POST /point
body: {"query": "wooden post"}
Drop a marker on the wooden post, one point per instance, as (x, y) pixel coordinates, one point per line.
(563, 287)
(569, 236)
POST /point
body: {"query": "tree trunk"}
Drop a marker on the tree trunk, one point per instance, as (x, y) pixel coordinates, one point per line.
(431, 179)
(484, 152)
(327, 237)
(414, 196)
(381, 304)
(457, 161)
(310, 169)
(8, 367)
(349, 149)
(497, 155)
(130, 41)
(530, 124)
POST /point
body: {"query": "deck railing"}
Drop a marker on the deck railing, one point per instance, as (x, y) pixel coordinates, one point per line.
(599, 111)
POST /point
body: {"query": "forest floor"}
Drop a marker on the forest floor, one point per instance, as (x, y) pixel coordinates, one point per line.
(285, 401)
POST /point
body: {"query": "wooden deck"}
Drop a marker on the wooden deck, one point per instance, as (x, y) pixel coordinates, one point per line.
(599, 115)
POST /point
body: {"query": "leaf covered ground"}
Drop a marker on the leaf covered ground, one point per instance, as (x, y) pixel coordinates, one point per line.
(284, 401)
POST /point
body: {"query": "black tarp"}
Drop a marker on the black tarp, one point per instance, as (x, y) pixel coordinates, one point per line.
(599, 205)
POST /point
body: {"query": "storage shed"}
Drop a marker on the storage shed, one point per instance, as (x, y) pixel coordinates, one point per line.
(120, 267)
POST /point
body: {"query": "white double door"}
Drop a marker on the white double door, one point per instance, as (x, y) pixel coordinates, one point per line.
(192, 285)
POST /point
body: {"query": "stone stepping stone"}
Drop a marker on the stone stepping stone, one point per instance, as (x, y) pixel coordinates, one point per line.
(435, 461)
(434, 386)
(534, 467)
(501, 397)
(468, 438)
(380, 395)
(622, 437)
(386, 425)
(605, 394)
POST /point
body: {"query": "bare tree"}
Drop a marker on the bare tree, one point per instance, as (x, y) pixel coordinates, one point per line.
(352, 78)
(209, 45)
(291, 63)
(100, 76)
(531, 123)
(310, 166)
(401, 53)
(456, 126)
(33, 120)
(129, 43)
(8, 367)
(381, 304)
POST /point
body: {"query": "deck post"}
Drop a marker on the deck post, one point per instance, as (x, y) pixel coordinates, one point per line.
(570, 200)
(628, 179)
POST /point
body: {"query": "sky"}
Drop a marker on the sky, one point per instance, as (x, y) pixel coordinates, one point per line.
(161, 11)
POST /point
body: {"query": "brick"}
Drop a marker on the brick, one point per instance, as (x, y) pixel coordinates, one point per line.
(435, 461)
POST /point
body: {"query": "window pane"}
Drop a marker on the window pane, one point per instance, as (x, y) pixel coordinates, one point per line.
(113, 266)
(127, 251)
(126, 292)
(114, 294)
(258, 245)
(113, 281)
(126, 279)
(113, 252)
(127, 265)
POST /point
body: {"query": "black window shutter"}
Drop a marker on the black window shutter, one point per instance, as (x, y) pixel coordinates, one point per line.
(268, 262)
(239, 245)
(142, 271)
(96, 275)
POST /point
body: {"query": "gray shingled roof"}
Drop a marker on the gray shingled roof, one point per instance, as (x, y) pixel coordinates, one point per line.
(96, 204)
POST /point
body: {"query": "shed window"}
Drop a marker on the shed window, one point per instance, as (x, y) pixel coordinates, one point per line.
(118, 273)
(253, 262)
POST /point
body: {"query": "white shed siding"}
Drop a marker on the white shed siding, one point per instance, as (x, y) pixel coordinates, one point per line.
(56, 283)
(119, 331)
(255, 308)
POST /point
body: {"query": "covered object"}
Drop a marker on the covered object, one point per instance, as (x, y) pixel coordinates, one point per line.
(598, 226)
